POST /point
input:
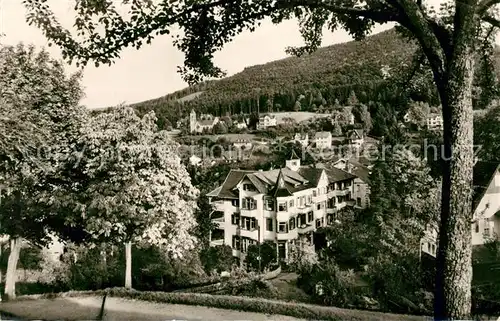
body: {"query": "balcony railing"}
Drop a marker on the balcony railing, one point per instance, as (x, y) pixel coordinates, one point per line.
(219, 221)
(252, 233)
(290, 235)
(305, 228)
(217, 242)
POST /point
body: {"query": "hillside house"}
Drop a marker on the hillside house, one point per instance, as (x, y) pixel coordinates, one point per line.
(435, 122)
(344, 117)
(323, 140)
(356, 137)
(195, 160)
(266, 121)
(283, 205)
(242, 143)
(486, 202)
(485, 223)
(302, 139)
(205, 123)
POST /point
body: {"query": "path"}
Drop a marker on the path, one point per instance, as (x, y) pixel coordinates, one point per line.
(117, 309)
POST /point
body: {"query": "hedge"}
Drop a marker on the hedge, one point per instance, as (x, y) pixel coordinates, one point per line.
(297, 310)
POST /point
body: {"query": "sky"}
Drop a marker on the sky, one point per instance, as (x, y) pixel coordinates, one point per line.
(152, 71)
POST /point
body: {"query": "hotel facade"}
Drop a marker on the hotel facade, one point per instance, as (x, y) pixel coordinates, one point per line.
(285, 205)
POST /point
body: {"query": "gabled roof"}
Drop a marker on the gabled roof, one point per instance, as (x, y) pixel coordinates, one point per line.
(483, 175)
(226, 189)
(363, 173)
(280, 187)
(355, 134)
(337, 175)
(293, 155)
(322, 135)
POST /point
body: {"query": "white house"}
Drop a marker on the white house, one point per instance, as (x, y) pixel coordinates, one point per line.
(323, 140)
(356, 137)
(302, 138)
(194, 160)
(486, 202)
(486, 208)
(242, 143)
(435, 122)
(361, 189)
(266, 121)
(282, 205)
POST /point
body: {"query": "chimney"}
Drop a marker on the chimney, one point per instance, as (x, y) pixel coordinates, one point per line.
(347, 166)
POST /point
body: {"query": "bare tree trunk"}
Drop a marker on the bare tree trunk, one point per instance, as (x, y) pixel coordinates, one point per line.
(128, 265)
(454, 259)
(10, 278)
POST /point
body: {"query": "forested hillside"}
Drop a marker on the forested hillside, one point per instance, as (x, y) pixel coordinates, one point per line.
(322, 79)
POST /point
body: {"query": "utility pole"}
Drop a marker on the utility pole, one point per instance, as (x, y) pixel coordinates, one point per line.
(260, 255)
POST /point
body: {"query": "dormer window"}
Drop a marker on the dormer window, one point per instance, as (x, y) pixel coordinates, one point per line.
(249, 187)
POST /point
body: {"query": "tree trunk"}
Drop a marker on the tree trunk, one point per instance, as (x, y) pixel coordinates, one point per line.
(454, 263)
(128, 265)
(10, 278)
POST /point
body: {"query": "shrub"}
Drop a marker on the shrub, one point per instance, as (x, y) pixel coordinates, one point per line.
(297, 310)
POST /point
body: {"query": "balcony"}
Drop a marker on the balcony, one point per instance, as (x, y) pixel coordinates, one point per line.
(306, 228)
(253, 233)
(219, 222)
(305, 208)
(287, 236)
(344, 191)
(248, 212)
(217, 242)
(331, 210)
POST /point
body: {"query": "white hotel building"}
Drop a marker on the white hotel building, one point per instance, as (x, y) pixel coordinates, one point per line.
(281, 205)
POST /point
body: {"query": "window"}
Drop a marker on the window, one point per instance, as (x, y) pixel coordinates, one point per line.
(282, 227)
(486, 231)
(302, 201)
(269, 204)
(269, 224)
(309, 217)
(291, 223)
(282, 207)
(477, 227)
(290, 204)
(318, 206)
(318, 223)
(323, 205)
(314, 193)
(235, 203)
(358, 201)
(301, 220)
(433, 249)
(248, 223)
(249, 203)
(236, 242)
(309, 199)
(235, 219)
(294, 163)
(249, 187)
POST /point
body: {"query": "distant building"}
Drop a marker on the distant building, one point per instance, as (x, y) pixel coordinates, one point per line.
(206, 122)
(194, 160)
(344, 117)
(302, 138)
(435, 122)
(485, 206)
(266, 121)
(323, 140)
(356, 137)
(242, 143)
(407, 118)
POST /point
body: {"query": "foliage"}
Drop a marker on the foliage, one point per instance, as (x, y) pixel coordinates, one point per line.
(38, 105)
(293, 309)
(363, 116)
(204, 224)
(131, 184)
(329, 284)
(218, 258)
(266, 251)
(301, 256)
(487, 134)
(418, 113)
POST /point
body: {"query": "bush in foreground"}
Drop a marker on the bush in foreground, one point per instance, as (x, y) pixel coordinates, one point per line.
(298, 310)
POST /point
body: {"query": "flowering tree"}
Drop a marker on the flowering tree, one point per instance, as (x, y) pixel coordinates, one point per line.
(133, 186)
(38, 104)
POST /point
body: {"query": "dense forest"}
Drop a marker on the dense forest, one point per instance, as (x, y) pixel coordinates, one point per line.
(376, 69)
